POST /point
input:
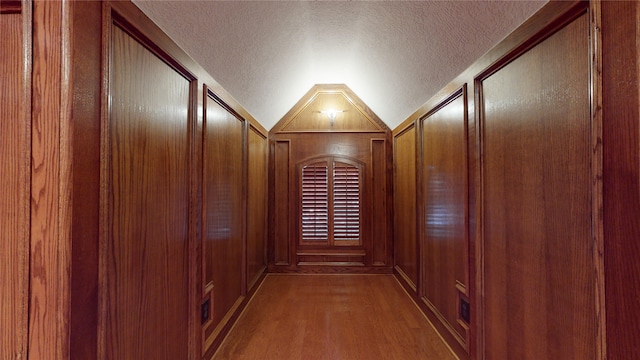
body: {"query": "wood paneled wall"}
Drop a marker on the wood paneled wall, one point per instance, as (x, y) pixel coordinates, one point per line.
(444, 211)
(507, 183)
(111, 241)
(404, 209)
(546, 110)
(431, 212)
(224, 209)
(14, 176)
(147, 236)
(537, 188)
(304, 133)
(621, 147)
(257, 206)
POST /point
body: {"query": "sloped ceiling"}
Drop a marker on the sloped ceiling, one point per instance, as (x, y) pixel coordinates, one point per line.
(394, 55)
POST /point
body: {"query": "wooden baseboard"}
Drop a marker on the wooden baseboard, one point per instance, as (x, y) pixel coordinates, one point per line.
(405, 281)
(329, 269)
(456, 346)
(221, 332)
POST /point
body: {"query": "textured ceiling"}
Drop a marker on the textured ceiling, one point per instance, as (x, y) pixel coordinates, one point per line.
(394, 55)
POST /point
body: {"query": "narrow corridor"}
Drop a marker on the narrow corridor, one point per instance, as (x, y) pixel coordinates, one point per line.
(332, 317)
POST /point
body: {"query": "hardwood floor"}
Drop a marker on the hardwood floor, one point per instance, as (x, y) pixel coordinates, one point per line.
(332, 317)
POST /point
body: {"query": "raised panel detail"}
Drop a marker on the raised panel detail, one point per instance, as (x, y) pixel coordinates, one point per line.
(257, 205)
(355, 176)
(147, 258)
(404, 197)
(281, 208)
(539, 292)
(223, 205)
(379, 188)
(444, 232)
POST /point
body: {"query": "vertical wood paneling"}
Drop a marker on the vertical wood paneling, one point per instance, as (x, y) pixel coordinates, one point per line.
(539, 298)
(404, 198)
(357, 136)
(444, 222)
(148, 251)
(281, 208)
(50, 183)
(223, 208)
(621, 143)
(14, 192)
(297, 150)
(378, 185)
(257, 206)
(87, 34)
(473, 181)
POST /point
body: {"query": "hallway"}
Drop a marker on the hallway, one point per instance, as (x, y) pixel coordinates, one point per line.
(332, 317)
(218, 179)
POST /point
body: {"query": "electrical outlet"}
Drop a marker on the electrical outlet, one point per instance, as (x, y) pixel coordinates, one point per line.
(205, 310)
(464, 310)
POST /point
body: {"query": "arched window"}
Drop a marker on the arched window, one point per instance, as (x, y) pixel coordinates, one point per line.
(330, 202)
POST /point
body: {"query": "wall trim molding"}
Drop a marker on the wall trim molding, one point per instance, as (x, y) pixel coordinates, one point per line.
(10, 7)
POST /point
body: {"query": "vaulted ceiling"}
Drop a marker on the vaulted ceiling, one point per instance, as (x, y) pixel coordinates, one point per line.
(393, 54)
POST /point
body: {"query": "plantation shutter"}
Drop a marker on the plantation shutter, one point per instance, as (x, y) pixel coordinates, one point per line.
(315, 202)
(346, 202)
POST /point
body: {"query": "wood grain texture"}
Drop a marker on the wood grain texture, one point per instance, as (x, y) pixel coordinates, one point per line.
(257, 206)
(381, 230)
(621, 142)
(224, 211)
(405, 205)
(50, 261)
(332, 317)
(281, 238)
(551, 16)
(302, 147)
(87, 33)
(133, 15)
(301, 135)
(148, 250)
(312, 118)
(15, 190)
(597, 171)
(539, 293)
(306, 114)
(444, 221)
(10, 6)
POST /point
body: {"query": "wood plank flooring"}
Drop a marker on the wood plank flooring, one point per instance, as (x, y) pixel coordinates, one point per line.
(332, 317)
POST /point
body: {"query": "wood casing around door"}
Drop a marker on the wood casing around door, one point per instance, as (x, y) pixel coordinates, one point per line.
(15, 152)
